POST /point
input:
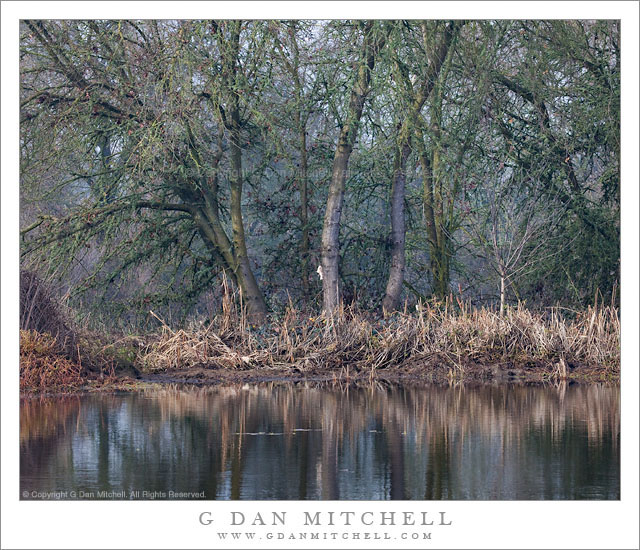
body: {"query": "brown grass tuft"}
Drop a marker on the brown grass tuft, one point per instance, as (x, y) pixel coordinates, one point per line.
(43, 366)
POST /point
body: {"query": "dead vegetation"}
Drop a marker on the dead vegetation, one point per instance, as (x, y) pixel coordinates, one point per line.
(43, 366)
(50, 356)
(450, 340)
(452, 337)
(42, 312)
(55, 355)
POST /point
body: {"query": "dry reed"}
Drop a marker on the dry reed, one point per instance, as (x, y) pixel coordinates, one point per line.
(455, 337)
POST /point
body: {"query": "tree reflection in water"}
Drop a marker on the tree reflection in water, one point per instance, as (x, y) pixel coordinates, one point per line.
(305, 441)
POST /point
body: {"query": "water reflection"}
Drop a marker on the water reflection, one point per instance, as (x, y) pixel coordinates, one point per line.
(282, 441)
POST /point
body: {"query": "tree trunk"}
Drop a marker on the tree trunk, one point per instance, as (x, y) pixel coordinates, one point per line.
(438, 239)
(396, 272)
(251, 294)
(502, 294)
(301, 127)
(433, 206)
(433, 202)
(331, 229)
(304, 215)
(440, 263)
(346, 141)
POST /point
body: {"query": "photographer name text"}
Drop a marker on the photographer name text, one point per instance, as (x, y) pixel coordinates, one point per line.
(328, 519)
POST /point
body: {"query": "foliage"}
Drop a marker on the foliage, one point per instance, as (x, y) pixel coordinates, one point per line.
(159, 158)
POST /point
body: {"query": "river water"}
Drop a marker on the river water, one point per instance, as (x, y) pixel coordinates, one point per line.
(300, 441)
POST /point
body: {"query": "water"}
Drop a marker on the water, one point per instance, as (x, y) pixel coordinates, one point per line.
(284, 441)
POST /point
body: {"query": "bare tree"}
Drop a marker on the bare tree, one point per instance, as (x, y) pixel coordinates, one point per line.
(509, 230)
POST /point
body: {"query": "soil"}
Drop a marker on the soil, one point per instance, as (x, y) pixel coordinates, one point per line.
(435, 371)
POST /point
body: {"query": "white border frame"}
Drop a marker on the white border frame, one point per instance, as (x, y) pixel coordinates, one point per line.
(484, 524)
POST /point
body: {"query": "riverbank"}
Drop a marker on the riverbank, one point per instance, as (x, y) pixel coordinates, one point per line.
(433, 370)
(434, 344)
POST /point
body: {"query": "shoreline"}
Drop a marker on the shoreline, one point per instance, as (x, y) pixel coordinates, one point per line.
(438, 346)
(499, 373)
(435, 371)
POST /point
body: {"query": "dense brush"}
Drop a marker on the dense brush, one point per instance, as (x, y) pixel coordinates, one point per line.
(455, 335)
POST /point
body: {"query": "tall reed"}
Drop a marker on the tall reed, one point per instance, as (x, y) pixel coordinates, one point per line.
(453, 334)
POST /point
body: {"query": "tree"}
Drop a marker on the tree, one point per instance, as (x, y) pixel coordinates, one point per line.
(291, 39)
(373, 39)
(133, 106)
(555, 107)
(507, 229)
(158, 156)
(432, 52)
(233, 80)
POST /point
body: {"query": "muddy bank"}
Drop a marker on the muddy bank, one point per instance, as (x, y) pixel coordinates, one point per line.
(433, 345)
(434, 371)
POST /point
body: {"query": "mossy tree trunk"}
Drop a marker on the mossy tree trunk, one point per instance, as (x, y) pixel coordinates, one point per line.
(251, 295)
(437, 54)
(373, 41)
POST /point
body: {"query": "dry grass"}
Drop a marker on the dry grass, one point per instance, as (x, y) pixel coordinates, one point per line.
(455, 336)
(55, 355)
(43, 366)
